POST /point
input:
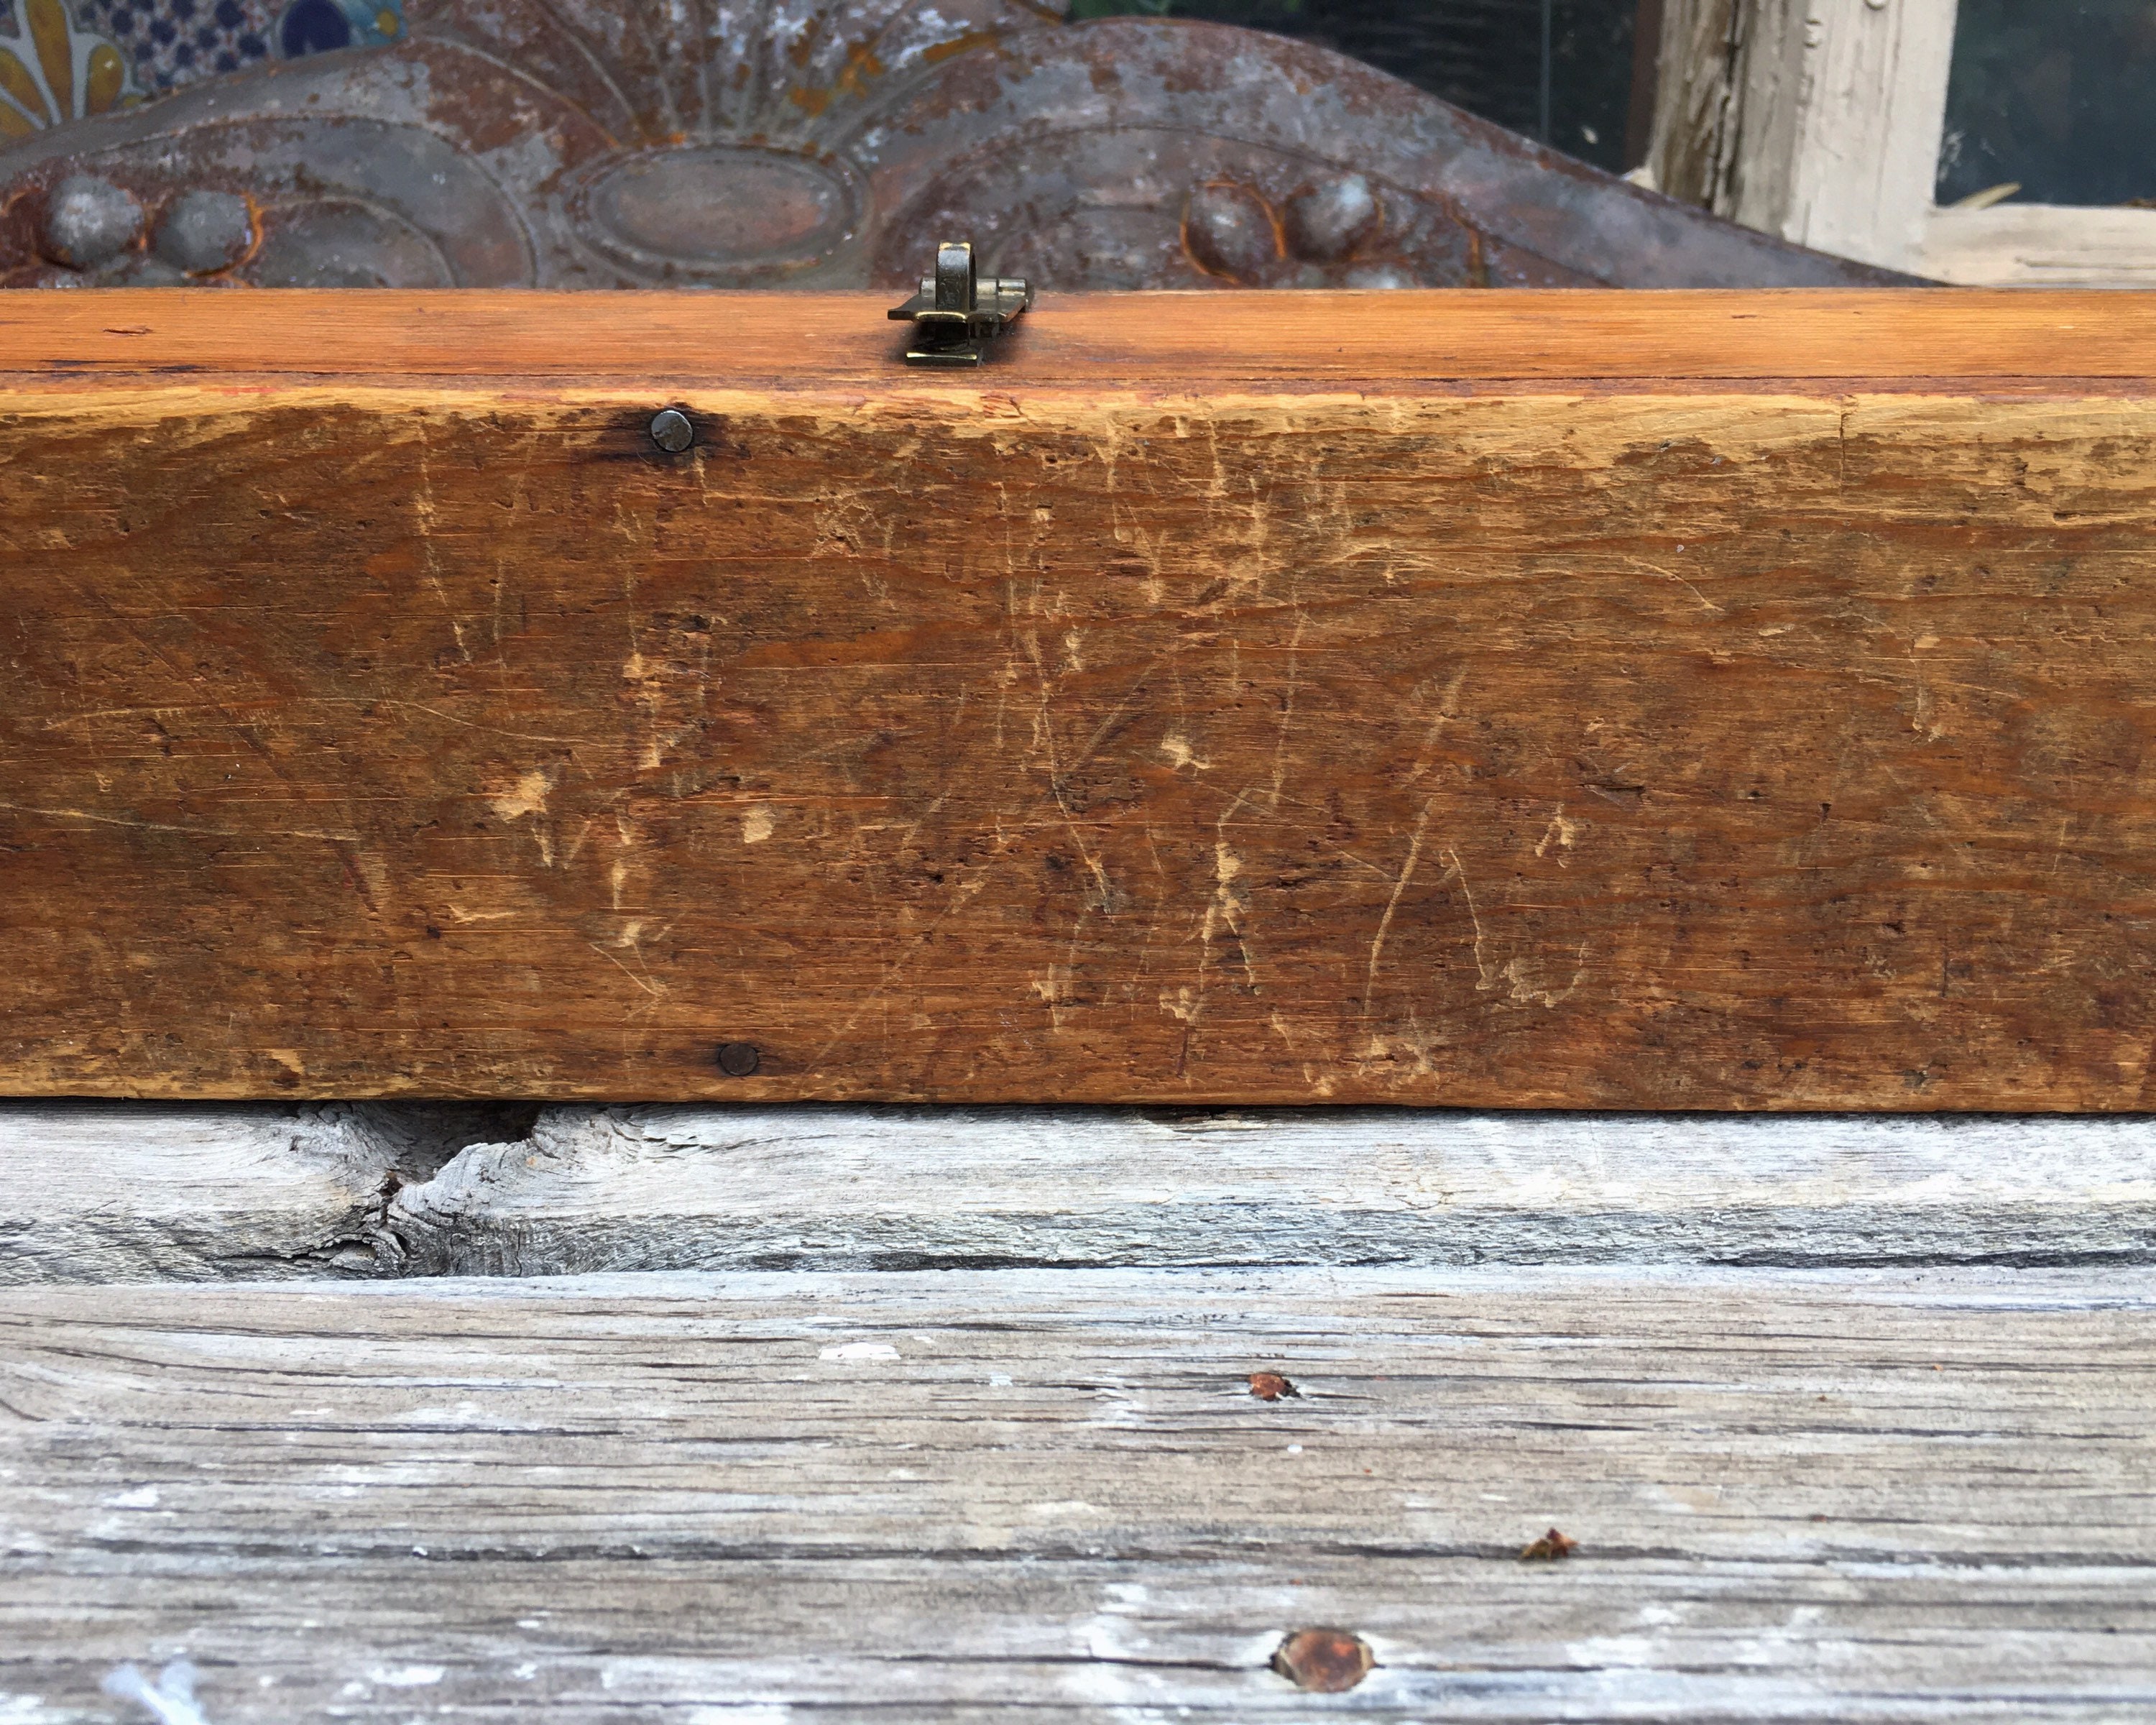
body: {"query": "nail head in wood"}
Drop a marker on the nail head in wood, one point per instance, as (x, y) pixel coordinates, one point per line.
(671, 431)
(1327, 1661)
(739, 1060)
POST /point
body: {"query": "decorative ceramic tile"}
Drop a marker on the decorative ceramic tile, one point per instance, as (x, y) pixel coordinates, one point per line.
(55, 68)
(59, 64)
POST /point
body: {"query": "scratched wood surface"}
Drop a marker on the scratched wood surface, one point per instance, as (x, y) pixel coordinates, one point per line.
(1442, 724)
(1050, 1495)
(1159, 343)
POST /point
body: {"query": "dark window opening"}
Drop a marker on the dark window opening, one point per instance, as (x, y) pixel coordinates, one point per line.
(2055, 99)
(1561, 70)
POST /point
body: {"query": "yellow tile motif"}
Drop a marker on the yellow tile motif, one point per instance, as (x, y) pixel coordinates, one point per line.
(52, 70)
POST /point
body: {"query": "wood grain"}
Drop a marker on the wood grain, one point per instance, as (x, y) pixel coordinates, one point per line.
(1693, 136)
(1129, 732)
(1160, 343)
(1051, 1496)
(136, 1191)
(2041, 246)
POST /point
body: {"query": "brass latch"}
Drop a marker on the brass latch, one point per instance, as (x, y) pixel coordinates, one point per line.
(956, 311)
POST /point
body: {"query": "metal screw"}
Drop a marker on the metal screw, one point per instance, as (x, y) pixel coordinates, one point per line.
(672, 432)
(738, 1060)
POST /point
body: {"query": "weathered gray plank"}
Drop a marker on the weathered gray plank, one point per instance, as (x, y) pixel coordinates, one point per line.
(120, 1191)
(178, 1192)
(1874, 1496)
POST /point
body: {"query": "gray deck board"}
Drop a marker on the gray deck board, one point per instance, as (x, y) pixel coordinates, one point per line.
(1031, 1493)
(109, 1193)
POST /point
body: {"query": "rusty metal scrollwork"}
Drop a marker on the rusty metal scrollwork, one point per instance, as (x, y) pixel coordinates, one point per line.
(811, 143)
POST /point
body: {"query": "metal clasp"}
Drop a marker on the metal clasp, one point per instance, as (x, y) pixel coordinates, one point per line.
(956, 311)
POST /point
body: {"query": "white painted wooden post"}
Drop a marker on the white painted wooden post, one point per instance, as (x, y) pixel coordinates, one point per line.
(1843, 104)
(1820, 121)
(1825, 116)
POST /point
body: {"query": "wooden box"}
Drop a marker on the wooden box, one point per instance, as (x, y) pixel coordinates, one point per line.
(1564, 700)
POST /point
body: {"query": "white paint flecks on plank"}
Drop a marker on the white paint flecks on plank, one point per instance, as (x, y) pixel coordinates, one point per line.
(170, 1700)
(1868, 1496)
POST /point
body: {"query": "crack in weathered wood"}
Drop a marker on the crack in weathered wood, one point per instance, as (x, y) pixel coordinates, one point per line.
(132, 1192)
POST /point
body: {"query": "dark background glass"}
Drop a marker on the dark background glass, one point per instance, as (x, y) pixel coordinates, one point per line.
(2059, 94)
(1485, 56)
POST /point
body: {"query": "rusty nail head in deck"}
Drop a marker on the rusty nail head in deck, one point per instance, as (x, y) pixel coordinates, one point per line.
(672, 432)
(738, 1060)
(1326, 1660)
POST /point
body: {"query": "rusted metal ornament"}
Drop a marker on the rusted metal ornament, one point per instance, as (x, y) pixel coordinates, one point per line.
(799, 144)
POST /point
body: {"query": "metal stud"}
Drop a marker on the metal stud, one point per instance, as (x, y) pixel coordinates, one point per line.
(671, 431)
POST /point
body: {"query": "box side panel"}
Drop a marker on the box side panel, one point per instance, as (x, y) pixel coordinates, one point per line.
(1635, 751)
